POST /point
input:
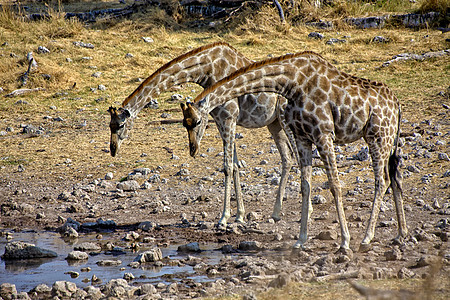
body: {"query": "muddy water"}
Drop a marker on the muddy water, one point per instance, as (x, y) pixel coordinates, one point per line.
(27, 274)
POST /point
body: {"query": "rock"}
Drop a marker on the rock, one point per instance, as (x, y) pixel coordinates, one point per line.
(335, 41)
(93, 292)
(109, 176)
(152, 255)
(63, 289)
(147, 289)
(426, 261)
(108, 262)
(405, 273)
(97, 74)
(380, 39)
(88, 247)
(176, 97)
(253, 216)
(101, 87)
(77, 255)
(319, 199)
(42, 50)
(362, 155)
(443, 156)
(129, 185)
(249, 246)
(392, 255)
(22, 250)
(191, 247)
(132, 236)
(128, 276)
(119, 288)
(316, 35)
(8, 291)
(129, 55)
(147, 226)
(281, 281)
(327, 235)
(41, 289)
(147, 39)
(83, 45)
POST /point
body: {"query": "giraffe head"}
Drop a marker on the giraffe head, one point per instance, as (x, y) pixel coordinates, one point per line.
(195, 121)
(119, 125)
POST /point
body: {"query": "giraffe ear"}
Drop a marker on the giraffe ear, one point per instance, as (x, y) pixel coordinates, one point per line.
(112, 110)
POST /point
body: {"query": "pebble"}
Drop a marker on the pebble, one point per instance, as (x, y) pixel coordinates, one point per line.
(316, 35)
(42, 50)
(152, 255)
(147, 39)
(77, 255)
(83, 45)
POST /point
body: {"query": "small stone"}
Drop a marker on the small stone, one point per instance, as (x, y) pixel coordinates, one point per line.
(109, 262)
(129, 185)
(176, 97)
(191, 247)
(77, 255)
(97, 74)
(250, 246)
(327, 235)
(88, 247)
(392, 255)
(319, 199)
(128, 276)
(129, 55)
(152, 255)
(109, 176)
(147, 39)
(380, 39)
(63, 289)
(443, 156)
(316, 35)
(43, 50)
(101, 87)
(405, 273)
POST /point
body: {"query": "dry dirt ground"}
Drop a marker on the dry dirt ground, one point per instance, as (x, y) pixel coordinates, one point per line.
(31, 192)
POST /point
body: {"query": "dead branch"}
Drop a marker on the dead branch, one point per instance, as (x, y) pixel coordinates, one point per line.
(23, 91)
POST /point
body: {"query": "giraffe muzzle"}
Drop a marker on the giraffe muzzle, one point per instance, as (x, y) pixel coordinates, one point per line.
(193, 149)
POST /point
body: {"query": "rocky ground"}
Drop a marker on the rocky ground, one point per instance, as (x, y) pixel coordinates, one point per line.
(179, 202)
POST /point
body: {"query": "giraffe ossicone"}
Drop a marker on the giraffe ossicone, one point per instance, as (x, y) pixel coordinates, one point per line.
(325, 107)
(205, 66)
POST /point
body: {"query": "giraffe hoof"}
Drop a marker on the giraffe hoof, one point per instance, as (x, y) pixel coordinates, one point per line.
(276, 218)
(364, 247)
(221, 226)
(345, 251)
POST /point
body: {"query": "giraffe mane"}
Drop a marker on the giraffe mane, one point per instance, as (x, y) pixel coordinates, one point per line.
(173, 62)
(250, 67)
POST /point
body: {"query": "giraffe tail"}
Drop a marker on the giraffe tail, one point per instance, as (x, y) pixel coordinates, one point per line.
(394, 160)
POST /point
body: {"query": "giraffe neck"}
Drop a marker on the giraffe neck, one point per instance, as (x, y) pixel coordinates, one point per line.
(204, 66)
(284, 75)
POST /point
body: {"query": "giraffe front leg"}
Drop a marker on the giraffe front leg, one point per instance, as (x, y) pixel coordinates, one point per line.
(227, 131)
(237, 187)
(305, 151)
(326, 150)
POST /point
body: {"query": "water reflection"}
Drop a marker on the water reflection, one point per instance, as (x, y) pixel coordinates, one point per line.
(27, 274)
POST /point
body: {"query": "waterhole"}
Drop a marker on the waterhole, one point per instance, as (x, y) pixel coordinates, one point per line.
(28, 273)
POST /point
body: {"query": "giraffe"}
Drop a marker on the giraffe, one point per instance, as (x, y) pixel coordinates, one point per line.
(325, 107)
(205, 66)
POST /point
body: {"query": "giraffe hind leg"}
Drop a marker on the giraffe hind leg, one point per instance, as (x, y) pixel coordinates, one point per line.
(396, 184)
